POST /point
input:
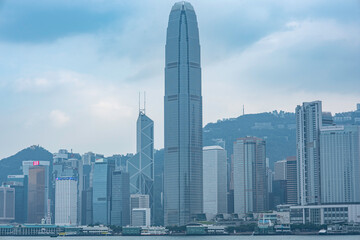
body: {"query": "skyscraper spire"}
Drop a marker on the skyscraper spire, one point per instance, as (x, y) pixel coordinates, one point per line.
(142, 110)
(144, 102)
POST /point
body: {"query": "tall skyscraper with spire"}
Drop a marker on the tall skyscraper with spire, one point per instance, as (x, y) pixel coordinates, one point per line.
(183, 193)
(141, 166)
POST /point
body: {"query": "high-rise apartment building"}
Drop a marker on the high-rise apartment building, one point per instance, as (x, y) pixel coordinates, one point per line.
(308, 124)
(214, 179)
(183, 194)
(340, 164)
(102, 191)
(66, 201)
(250, 181)
(120, 199)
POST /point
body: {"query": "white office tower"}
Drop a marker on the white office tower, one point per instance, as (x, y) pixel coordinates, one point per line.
(280, 170)
(308, 124)
(214, 180)
(66, 201)
(140, 217)
(340, 164)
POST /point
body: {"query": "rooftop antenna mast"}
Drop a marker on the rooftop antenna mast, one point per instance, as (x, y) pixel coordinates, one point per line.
(144, 102)
(139, 103)
(142, 110)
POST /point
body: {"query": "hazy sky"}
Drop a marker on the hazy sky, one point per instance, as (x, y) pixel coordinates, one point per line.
(70, 71)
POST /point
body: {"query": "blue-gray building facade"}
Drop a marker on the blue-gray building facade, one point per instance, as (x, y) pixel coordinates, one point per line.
(102, 191)
(120, 199)
(20, 184)
(183, 194)
(250, 180)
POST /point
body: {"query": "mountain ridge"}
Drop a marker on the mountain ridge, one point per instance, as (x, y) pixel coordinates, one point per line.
(12, 165)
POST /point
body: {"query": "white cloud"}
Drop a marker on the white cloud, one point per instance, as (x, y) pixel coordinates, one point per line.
(48, 81)
(111, 110)
(59, 118)
(29, 84)
(90, 82)
(279, 72)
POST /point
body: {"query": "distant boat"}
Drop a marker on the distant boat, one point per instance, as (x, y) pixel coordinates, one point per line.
(322, 232)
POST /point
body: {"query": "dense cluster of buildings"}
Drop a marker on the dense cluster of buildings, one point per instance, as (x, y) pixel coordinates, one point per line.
(320, 185)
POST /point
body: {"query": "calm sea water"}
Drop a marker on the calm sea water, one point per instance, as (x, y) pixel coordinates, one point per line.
(345, 237)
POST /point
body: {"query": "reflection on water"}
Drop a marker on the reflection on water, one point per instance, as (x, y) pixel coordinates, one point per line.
(233, 237)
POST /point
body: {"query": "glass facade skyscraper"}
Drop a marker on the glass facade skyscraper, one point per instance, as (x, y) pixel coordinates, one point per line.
(291, 180)
(141, 166)
(250, 181)
(183, 194)
(37, 205)
(20, 184)
(120, 201)
(102, 191)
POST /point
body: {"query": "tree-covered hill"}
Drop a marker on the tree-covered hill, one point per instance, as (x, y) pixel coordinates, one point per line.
(278, 129)
(12, 165)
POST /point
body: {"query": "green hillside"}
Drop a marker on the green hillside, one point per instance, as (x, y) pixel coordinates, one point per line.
(12, 165)
(278, 129)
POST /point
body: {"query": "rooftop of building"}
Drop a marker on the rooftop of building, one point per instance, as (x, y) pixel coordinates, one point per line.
(212, 148)
(182, 5)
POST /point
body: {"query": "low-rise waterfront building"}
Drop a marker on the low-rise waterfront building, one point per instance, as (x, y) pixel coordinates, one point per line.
(140, 217)
(325, 214)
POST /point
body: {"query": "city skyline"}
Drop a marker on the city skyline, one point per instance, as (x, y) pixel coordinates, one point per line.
(58, 82)
(276, 172)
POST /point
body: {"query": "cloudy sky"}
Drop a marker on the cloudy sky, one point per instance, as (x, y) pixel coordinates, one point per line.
(70, 71)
